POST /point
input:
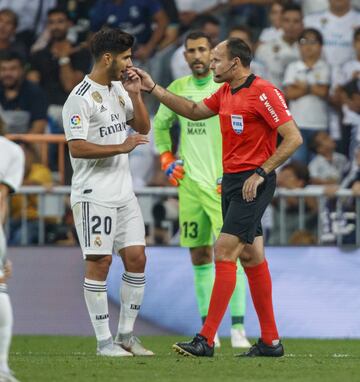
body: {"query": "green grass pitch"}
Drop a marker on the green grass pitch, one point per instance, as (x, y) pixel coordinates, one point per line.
(73, 359)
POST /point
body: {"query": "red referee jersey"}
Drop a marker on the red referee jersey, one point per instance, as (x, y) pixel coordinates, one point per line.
(249, 118)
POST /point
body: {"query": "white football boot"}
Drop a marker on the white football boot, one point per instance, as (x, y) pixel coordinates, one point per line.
(108, 349)
(132, 344)
(238, 338)
(217, 342)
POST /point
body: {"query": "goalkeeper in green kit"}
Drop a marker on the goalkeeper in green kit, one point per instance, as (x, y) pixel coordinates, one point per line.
(198, 172)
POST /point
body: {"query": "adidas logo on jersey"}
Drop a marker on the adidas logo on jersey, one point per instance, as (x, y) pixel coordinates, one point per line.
(103, 108)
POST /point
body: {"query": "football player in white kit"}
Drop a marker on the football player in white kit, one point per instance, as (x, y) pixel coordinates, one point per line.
(107, 216)
(12, 163)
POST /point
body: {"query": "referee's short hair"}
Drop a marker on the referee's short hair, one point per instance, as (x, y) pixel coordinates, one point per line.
(110, 40)
(239, 48)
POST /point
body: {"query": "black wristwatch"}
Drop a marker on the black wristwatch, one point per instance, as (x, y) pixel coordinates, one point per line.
(260, 171)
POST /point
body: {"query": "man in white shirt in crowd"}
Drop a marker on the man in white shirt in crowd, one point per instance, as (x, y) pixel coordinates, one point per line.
(345, 74)
(328, 166)
(12, 163)
(306, 86)
(107, 216)
(277, 54)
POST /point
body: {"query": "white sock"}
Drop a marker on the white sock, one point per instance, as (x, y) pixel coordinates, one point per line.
(95, 293)
(6, 322)
(131, 296)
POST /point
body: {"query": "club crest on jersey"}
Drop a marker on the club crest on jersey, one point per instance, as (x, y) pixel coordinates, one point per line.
(75, 121)
(237, 123)
(97, 241)
(121, 101)
(97, 97)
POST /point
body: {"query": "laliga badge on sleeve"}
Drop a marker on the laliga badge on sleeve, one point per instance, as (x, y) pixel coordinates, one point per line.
(237, 123)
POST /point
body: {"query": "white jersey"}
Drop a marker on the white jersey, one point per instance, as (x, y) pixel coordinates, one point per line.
(337, 32)
(98, 114)
(12, 163)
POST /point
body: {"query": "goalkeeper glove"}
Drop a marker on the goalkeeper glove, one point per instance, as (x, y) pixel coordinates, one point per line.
(173, 168)
(218, 185)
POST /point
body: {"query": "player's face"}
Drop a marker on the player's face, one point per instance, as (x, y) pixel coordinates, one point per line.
(310, 47)
(7, 27)
(292, 24)
(220, 63)
(58, 26)
(197, 55)
(119, 65)
(11, 73)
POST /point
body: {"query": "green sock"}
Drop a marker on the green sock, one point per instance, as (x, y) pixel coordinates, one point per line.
(238, 299)
(204, 281)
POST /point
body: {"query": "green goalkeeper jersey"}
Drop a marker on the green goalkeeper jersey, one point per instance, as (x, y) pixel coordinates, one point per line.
(200, 141)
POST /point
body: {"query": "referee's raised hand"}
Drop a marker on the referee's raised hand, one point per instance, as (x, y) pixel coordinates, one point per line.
(132, 141)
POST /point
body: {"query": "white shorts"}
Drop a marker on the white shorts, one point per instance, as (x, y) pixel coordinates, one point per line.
(105, 230)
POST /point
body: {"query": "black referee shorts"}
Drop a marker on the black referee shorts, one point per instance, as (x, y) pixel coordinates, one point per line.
(242, 218)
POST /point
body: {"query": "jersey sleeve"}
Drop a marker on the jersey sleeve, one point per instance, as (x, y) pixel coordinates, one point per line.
(163, 122)
(76, 117)
(12, 168)
(129, 109)
(213, 101)
(271, 105)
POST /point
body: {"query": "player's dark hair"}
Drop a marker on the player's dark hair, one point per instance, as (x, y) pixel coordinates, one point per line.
(195, 35)
(242, 28)
(56, 10)
(291, 7)
(12, 14)
(11, 55)
(356, 33)
(299, 169)
(239, 48)
(110, 40)
(314, 32)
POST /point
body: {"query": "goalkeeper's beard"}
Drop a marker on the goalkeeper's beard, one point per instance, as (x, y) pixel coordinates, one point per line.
(203, 70)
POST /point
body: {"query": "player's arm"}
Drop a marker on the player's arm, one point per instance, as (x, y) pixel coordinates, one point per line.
(180, 105)
(83, 149)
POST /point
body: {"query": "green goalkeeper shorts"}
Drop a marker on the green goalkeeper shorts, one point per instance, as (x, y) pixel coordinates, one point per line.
(199, 214)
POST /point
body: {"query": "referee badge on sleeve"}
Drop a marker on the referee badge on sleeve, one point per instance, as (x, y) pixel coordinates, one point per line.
(237, 123)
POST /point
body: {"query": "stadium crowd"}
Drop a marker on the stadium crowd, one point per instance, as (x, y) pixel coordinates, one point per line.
(308, 49)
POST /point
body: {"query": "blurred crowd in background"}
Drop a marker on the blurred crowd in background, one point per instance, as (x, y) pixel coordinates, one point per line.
(310, 49)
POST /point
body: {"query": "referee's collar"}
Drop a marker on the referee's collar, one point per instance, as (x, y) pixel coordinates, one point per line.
(246, 84)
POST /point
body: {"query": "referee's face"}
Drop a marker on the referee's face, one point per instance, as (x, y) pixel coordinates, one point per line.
(119, 65)
(220, 64)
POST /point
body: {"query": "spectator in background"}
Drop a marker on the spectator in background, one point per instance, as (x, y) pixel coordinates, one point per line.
(336, 25)
(345, 93)
(24, 104)
(328, 166)
(136, 17)
(306, 86)
(277, 54)
(59, 66)
(208, 24)
(36, 174)
(244, 33)
(313, 6)
(274, 31)
(32, 16)
(8, 24)
(293, 175)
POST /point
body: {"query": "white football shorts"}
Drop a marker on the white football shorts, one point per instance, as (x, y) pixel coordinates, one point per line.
(105, 230)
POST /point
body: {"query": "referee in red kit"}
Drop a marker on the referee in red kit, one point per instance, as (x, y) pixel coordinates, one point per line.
(252, 112)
